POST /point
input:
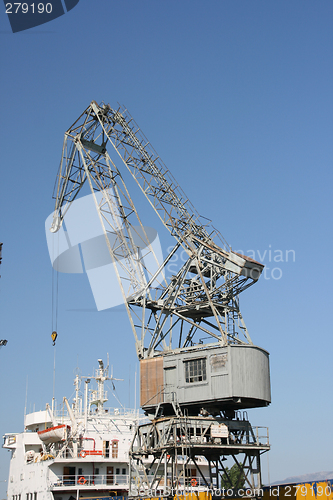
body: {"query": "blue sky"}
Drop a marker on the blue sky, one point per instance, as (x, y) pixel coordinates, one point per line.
(236, 98)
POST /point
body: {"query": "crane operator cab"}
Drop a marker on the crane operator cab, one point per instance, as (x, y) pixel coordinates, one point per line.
(212, 379)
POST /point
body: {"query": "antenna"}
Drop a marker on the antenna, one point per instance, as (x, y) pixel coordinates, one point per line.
(135, 390)
(129, 386)
(108, 363)
(26, 397)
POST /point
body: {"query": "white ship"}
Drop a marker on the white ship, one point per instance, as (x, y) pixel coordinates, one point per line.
(77, 453)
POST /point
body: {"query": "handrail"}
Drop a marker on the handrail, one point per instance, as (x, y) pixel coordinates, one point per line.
(86, 480)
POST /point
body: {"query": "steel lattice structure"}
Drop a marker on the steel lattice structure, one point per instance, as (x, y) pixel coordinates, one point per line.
(202, 298)
(178, 444)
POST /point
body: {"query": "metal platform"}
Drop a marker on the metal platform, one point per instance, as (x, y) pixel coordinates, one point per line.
(186, 454)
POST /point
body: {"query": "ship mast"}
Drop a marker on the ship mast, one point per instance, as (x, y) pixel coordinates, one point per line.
(98, 396)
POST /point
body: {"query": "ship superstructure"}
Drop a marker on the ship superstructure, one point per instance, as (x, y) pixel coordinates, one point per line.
(76, 452)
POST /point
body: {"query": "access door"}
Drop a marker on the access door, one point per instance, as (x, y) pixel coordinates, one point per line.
(109, 475)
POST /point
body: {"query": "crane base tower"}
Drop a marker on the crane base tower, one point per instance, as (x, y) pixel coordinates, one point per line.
(178, 455)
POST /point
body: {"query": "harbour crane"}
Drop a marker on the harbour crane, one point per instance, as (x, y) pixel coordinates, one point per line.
(198, 365)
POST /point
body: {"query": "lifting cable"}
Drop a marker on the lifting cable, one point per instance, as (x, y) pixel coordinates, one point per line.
(54, 307)
(55, 293)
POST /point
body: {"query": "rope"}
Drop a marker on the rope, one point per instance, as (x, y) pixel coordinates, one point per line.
(55, 295)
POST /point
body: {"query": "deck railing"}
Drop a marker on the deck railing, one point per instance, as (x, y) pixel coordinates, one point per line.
(121, 480)
(190, 483)
(85, 480)
(60, 414)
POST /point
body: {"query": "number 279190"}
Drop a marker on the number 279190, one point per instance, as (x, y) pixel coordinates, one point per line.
(39, 8)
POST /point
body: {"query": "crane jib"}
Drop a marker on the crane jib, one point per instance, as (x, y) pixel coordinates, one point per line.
(188, 307)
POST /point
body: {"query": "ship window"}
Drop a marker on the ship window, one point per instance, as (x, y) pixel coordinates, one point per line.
(117, 471)
(115, 449)
(79, 472)
(195, 370)
(106, 449)
(97, 470)
(123, 471)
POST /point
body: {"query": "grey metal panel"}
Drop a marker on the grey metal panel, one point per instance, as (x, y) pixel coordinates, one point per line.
(220, 387)
(250, 373)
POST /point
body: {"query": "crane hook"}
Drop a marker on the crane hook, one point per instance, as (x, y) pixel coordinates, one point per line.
(54, 336)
